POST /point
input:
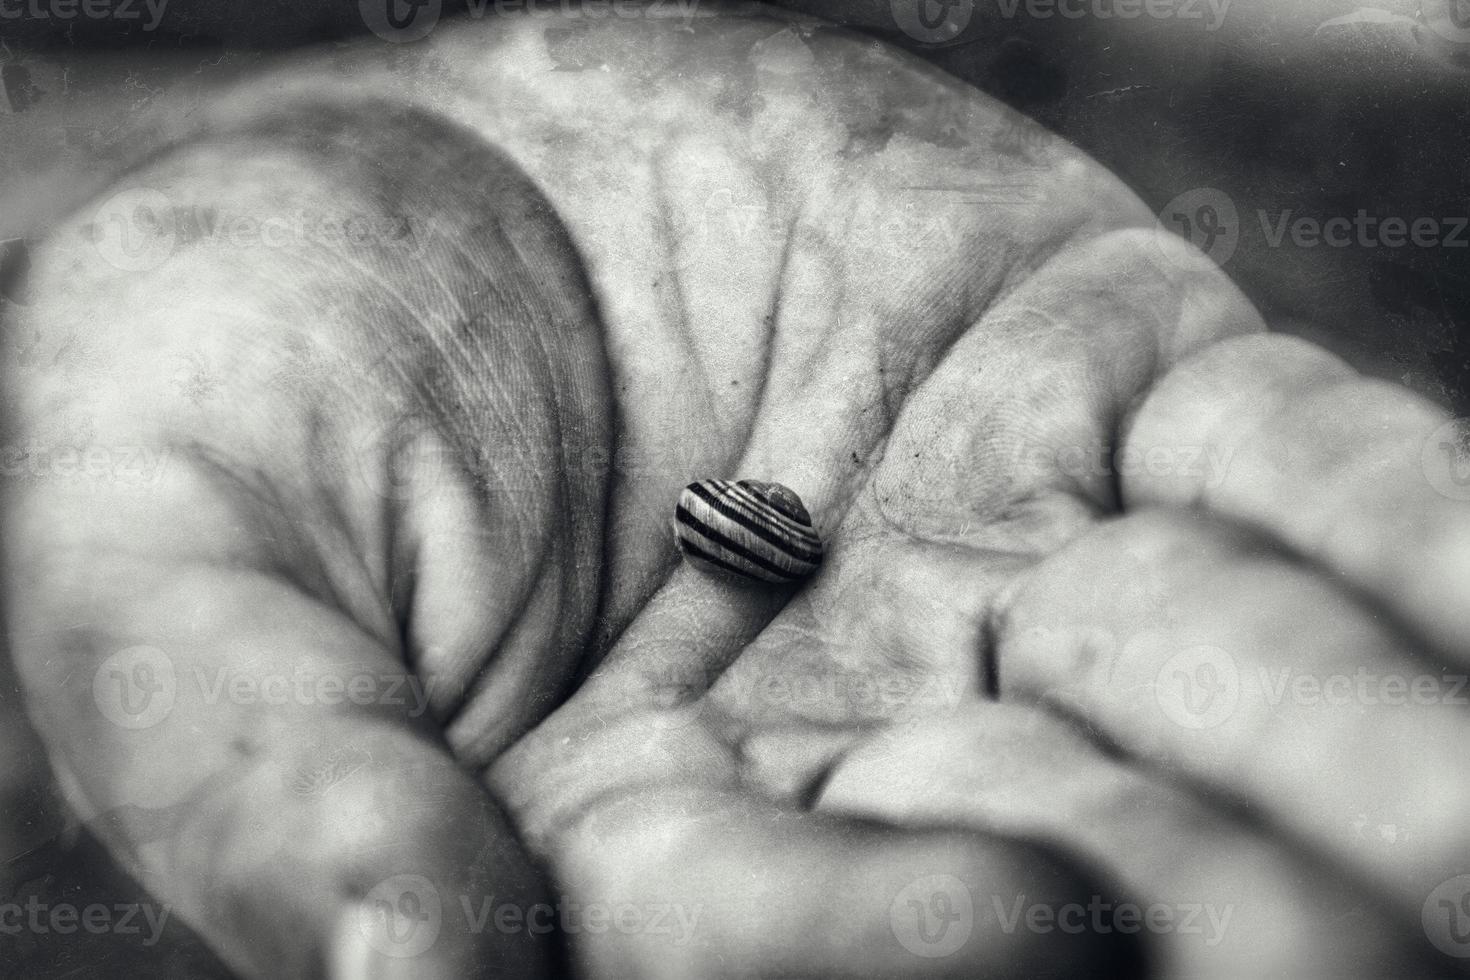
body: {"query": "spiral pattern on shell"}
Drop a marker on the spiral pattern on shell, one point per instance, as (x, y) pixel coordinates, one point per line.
(748, 529)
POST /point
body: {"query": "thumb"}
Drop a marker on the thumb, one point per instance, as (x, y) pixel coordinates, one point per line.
(214, 649)
(265, 766)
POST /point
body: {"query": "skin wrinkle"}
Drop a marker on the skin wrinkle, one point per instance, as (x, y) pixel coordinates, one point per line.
(531, 580)
(679, 302)
(390, 509)
(772, 320)
(267, 500)
(548, 383)
(490, 662)
(491, 659)
(342, 521)
(568, 464)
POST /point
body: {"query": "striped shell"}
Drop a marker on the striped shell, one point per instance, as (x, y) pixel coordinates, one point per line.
(749, 529)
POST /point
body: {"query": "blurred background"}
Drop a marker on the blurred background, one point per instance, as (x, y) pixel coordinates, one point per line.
(1312, 148)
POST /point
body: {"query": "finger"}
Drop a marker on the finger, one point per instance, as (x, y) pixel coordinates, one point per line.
(785, 893)
(1197, 650)
(1362, 477)
(1215, 898)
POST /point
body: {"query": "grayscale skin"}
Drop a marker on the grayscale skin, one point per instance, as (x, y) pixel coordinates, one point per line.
(578, 263)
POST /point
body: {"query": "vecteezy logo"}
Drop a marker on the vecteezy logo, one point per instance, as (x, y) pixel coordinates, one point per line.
(933, 917)
(135, 688)
(134, 230)
(401, 916)
(1446, 917)
(400, 21)
(1454, 454)
(1199, 687)
(1445, 460)
(1207, 218)
(933, 21)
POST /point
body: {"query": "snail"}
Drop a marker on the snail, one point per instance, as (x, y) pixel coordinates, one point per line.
(747, 529)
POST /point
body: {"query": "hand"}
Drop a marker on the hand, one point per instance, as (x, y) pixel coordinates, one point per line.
(394, 459)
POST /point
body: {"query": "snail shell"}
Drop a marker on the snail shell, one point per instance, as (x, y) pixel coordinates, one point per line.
(749, 529)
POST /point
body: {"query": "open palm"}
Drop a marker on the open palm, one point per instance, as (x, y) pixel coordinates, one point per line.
(426, 340)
